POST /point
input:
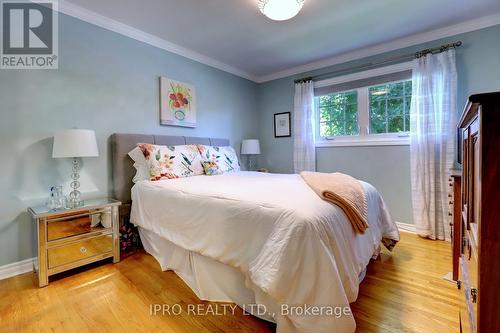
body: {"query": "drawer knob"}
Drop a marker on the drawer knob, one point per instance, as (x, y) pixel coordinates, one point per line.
(83, 249)
(473, 293)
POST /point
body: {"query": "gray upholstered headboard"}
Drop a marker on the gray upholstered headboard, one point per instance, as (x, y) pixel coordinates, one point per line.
(122, 164)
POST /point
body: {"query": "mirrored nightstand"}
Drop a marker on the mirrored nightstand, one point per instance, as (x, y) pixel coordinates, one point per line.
(69, 238)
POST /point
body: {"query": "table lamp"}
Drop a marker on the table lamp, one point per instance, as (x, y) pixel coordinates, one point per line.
(75, 143)
(250, 147)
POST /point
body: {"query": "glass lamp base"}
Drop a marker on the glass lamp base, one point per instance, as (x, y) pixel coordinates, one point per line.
(75, 203)
(74, 196)
(251, 163)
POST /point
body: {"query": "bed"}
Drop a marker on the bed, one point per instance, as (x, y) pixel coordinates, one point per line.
(264, 241)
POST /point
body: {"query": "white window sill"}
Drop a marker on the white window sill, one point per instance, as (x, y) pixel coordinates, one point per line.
(367, 141)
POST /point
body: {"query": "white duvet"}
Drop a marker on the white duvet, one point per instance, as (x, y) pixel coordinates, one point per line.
(297, 248)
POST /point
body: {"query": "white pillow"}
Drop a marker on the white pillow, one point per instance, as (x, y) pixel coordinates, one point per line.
(140, 164)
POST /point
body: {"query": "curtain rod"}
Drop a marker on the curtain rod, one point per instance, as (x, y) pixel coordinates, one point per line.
(397, 59)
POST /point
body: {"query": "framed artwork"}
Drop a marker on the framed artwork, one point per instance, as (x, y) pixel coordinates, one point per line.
(177, 103)
(282, 126)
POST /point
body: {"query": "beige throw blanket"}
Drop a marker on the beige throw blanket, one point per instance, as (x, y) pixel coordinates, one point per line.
(343, 191)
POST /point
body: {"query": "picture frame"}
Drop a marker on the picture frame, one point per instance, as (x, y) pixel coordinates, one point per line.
(177, 103)
(282, 125)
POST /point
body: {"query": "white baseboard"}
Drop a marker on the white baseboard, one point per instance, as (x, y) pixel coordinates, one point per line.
(411, 228)
(407, 227)
(17, 268)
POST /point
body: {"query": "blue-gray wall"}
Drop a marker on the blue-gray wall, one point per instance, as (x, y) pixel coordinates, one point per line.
(386, 167)
(109, 83)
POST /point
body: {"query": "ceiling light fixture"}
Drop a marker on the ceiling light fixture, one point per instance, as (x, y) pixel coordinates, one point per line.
(280, 10)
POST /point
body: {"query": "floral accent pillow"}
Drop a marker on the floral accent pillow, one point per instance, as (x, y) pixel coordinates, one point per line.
(224, 157)
(211, 168)
(168, 162)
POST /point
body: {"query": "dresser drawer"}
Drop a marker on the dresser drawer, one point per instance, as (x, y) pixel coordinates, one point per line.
(83, 249)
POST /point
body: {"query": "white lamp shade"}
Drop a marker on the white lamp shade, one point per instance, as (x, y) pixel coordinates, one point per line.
(250, 147)
(75, 143)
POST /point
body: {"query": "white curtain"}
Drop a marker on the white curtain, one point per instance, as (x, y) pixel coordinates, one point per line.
(304, 151)
(433, 121)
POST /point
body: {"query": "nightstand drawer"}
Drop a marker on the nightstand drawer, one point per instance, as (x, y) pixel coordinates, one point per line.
(65, 226)
(83, 249)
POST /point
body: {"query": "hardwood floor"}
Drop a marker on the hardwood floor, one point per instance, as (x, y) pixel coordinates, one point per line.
(403, 292)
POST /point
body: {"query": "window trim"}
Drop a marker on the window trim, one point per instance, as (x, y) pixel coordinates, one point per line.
(363, 138)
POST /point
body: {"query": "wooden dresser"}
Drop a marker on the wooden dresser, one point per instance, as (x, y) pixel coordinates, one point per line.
(479, 264)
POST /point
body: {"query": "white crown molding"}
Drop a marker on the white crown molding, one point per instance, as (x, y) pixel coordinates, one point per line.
(126, 30)
(17, 268)
(420, 38)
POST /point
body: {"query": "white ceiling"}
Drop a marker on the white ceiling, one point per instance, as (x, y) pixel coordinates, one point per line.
(233, 33)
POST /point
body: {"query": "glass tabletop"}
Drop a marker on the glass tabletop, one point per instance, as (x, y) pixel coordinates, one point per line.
(43, 210)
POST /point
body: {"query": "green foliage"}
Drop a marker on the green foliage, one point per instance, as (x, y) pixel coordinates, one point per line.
(389, 110)
(390, 107)
(339, 114)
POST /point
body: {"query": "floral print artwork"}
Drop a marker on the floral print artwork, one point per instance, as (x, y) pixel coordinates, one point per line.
(169, 162)
(178, 103)
(179, 100)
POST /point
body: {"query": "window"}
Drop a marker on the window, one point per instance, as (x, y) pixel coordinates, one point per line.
(390, 107)
(339, 114)
(369, 108)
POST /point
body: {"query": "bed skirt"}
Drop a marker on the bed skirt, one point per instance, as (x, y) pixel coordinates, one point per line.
(209, 279)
